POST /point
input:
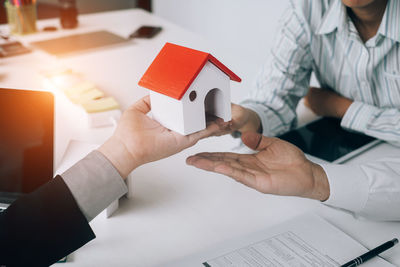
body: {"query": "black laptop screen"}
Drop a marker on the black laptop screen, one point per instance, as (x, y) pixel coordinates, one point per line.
(26, 140)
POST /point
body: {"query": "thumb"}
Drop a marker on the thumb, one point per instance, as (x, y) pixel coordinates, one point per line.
(143, 105)
(256, 141)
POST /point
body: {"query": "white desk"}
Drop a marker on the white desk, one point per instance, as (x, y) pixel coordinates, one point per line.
(176, 210)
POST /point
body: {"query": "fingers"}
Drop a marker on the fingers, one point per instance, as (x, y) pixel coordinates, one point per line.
(239, 116)
(210, 161)
(224, 163)
(216, 156)
(202, 162)
(241, 175)
(214, 128)
(194, 137)
(223, 126)
(143, 105)
(210, 118)
(251, 139)
(257, 141)
(191, 139)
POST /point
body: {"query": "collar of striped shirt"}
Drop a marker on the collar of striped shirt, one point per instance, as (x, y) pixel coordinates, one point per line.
(336, 19)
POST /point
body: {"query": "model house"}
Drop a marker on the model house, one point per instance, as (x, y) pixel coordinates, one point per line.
(184, 85)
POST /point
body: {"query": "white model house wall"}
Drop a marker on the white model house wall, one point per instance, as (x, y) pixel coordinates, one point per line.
(209, 78)
(186, 116)
(168, 111)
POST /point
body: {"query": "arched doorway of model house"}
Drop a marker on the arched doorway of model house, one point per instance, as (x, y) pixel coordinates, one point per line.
(214, 104)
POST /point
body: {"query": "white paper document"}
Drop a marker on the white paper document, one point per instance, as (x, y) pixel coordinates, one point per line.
(307, 240)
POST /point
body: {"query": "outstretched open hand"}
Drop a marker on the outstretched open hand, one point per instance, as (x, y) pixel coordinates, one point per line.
(278, 168)
(141, 139)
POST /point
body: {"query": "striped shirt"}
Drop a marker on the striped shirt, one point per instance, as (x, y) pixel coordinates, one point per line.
(318, 36)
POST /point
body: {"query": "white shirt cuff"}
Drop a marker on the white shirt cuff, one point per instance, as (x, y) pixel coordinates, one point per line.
(348, 187)
(357, 116)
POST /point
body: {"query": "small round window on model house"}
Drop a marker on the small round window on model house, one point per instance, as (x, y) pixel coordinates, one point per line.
(192, 95)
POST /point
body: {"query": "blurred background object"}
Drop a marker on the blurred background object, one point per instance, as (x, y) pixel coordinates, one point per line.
(68, 14)
(21, 16)
(50, 8)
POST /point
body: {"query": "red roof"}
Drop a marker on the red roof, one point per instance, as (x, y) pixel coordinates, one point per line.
(175, 68)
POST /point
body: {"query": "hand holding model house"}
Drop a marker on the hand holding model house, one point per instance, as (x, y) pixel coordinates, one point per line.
(186, 84)
(277, 168)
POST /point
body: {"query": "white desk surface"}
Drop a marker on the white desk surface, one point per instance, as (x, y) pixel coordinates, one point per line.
(176, 210)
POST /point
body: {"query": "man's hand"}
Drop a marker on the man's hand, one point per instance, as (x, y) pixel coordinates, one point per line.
(278, 168)
(243, 120)
(138, 139)
(327, 103)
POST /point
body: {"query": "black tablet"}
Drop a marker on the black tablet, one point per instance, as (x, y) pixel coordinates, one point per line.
(26, 141)
(326, 140)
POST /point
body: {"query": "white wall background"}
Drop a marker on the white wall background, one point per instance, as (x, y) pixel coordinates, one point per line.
(241, 31)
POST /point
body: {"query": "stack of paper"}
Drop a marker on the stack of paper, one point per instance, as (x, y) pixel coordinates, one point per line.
(307, 240)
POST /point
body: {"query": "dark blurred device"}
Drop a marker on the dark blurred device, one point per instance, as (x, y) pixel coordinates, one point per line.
(79, 42)
(9, 49)
(145, 32)
(326, 140)
(68, 14)
(26, 142)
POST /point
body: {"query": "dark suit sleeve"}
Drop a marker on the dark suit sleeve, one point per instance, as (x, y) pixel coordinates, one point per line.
(40, 228)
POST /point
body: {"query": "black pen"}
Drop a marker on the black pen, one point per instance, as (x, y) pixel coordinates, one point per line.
(372, 253)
